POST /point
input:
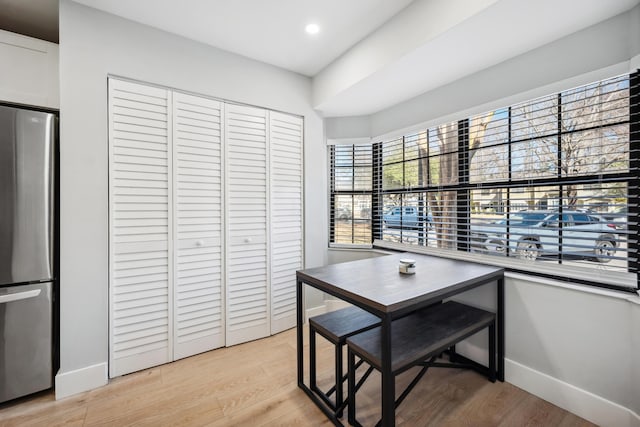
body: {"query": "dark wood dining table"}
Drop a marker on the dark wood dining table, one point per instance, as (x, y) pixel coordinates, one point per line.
(375, 285)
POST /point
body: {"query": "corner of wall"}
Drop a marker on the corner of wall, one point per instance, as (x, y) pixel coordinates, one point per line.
(634, 63)
(80, 380)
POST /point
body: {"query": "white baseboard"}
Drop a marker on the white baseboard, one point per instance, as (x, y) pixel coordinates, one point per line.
(314, 311)
(571, 398)
(329, 305)
(74, 382)
(335, 304)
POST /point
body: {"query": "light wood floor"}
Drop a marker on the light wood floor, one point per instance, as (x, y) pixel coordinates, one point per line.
(254, 384)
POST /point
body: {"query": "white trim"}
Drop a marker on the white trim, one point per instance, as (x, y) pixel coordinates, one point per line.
(110, 208)
(332, 304)
(572, 273)
(350, 246)
(567, 285)
(80, 380)
(314, 311)
(513, 275)
(587, 405)
(357, 248)
(329, 305)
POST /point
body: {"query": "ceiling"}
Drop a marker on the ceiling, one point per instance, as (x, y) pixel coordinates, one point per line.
(496, 31)
(368, 55)
(270, 31)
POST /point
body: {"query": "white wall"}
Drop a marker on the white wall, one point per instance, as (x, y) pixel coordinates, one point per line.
(577, 337)
(348, 127)
(93, 45)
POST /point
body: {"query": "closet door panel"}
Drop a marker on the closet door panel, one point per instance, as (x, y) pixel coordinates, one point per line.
(247, 273)
(198, 289)
(286, 174)
(140, 224)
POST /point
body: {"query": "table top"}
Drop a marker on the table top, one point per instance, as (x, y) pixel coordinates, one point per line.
(376, 284)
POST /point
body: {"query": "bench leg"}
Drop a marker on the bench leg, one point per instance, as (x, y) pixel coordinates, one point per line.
(351, 387)
(492, 352)
(339, 392)
(452, 354)
(312, 358)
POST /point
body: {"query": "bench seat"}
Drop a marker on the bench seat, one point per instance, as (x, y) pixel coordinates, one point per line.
(422, 334)
(418, 339)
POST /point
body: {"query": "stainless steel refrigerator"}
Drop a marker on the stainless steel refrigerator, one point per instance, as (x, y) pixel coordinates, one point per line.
(27, 232)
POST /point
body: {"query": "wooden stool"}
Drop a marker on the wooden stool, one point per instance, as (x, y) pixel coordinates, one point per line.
(418, 339)
(336, 327)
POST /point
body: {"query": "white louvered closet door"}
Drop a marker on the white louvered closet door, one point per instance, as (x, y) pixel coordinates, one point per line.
(140, 224)
(286, 173)
(247, 310)
(198, 290)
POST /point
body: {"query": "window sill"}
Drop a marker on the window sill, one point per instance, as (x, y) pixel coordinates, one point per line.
(349, 246)
(571, 286)
(622, 283)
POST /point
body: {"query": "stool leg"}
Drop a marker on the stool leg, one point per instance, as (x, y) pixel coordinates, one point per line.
(312, 358)
(492, 352)
(339, 392)
(452, 354)
(351, 387)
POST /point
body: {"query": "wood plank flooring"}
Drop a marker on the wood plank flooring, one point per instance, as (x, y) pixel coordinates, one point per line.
(254, 384)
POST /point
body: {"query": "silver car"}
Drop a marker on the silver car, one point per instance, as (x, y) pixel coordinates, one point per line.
(533, 234)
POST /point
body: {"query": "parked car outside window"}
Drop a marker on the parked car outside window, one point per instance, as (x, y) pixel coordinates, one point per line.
(406, 216)
(534, 234)
(343, 214)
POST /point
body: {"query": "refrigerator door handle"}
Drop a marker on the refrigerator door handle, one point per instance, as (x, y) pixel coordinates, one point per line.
(19, 296)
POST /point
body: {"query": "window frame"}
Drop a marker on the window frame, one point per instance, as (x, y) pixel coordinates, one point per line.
(624, 281)
(353, 193)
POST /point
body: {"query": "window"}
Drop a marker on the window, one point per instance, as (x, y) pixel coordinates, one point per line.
(548, 186)
(351, 193)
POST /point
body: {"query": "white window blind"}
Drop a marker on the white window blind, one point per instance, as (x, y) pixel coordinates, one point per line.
(547, 186)
(351, 197)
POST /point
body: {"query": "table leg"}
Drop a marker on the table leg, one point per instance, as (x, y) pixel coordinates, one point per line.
(299, 331)
(501, 345)
(388, 380)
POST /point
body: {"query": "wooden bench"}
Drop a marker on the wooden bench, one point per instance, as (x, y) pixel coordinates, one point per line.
(418, 339)
(336, 327)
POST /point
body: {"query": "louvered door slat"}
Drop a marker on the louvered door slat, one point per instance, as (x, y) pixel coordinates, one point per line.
(198, 233)
(140, 308)
(247, 300)
(286, 134)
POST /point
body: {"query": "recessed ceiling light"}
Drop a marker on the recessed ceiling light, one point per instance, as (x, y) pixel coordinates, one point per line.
(312, 29)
